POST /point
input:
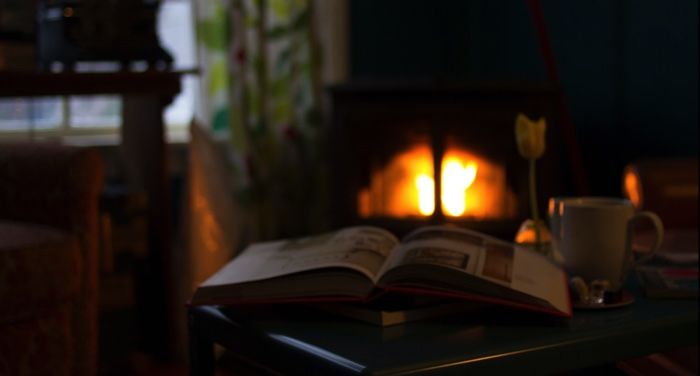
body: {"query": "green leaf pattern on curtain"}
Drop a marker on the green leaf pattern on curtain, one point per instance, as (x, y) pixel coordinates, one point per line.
(213, 40)
(261, 59)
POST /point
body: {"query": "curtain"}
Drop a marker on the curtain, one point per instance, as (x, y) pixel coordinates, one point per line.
(262, 90)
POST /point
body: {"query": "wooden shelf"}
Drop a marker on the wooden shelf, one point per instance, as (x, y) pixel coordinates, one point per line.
(21, 84)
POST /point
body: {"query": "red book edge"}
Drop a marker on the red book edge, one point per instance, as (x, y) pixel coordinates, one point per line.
(481, 298)
(400, 289)
(307, 299)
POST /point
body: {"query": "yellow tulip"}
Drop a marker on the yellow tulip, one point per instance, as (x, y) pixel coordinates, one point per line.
(530, 136)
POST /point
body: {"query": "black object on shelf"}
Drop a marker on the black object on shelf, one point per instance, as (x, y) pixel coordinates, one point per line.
(124, 31)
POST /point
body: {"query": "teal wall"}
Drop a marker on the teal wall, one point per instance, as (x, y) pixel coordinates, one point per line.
(629, 69)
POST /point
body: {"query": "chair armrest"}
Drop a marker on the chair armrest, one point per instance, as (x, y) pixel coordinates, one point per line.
(50, 184)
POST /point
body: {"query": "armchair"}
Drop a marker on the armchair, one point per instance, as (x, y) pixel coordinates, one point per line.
(48, 259)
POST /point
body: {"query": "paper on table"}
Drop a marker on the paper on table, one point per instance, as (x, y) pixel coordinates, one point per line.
(678, 246)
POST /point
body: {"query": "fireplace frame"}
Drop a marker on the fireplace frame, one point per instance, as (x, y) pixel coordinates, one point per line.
(373, 120)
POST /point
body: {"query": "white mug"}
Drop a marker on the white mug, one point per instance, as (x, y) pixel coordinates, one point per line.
(594, 236)
(554, 212)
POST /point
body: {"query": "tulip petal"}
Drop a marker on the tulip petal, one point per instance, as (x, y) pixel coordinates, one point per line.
(529, 136)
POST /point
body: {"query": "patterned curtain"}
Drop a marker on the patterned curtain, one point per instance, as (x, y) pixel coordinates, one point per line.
(262, 82)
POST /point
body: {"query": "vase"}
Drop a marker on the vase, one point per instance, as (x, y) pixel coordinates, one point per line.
(527, 237)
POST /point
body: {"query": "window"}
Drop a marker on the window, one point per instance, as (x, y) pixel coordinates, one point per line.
(76, 115)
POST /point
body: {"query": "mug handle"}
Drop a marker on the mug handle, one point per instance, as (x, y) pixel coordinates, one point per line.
(658, 227)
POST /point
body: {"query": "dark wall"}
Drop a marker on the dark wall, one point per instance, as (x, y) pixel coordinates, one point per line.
(629, 69)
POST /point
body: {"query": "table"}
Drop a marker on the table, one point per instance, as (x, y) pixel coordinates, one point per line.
(299, 340)
(143, 146)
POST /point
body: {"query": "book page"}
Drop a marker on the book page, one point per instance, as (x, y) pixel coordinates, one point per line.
(362, 248)
(435, 245)
(538, 276)
(498, 262)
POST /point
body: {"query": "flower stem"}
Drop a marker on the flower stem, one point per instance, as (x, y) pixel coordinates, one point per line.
(533, 203)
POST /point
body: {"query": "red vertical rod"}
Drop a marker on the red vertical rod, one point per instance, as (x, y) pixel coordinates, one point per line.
(574, 153)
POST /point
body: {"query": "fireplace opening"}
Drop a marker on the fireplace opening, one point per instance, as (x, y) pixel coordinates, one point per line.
(408, 155)
(472, 187)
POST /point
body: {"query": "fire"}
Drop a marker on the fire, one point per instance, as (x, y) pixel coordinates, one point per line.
(457, 177)
(426, 194)
(471, 186)
(632, 188)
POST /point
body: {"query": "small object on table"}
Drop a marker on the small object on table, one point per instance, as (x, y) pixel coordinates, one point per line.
(668, 282)
(530, 138)
(596, 295)
(526, 236)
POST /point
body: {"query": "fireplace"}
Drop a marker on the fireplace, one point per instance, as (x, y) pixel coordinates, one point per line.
(388, 141)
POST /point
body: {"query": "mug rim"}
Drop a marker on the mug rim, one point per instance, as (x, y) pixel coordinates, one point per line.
(594, 202)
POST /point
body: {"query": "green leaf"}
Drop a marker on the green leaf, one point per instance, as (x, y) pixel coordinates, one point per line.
(218, 77)
(214, 31)
(299, 4)
(280, 8)
(282, 111)
(280, 87)
(221, 120)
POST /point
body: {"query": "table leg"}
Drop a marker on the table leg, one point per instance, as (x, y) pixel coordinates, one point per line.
(144, 153)
(201, 349)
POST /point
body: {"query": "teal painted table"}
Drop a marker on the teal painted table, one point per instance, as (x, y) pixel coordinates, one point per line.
(299, 340)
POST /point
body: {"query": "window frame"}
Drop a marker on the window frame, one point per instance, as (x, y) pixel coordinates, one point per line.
(65, 129)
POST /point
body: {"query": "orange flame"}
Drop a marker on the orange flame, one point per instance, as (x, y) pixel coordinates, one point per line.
(457, 177)
(405, 187)
(426, 194)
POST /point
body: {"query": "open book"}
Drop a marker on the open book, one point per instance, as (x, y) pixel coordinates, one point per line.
(361, 263)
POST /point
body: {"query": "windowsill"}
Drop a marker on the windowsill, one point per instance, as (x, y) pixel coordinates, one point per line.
(111, 137)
